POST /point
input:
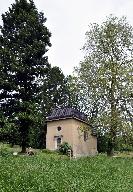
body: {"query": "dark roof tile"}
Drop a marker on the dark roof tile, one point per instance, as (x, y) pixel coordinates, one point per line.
(60, 113)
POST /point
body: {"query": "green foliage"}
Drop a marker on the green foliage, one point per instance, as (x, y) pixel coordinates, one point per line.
(45, 173)
(124, 144)
(4, 152)
(121, 144)
(24, 40)
(74, 99)
(64, 148)
(54, 91)
(104, 78)
(29, 87)
(47, 151)
(102, 143)
(8, 131)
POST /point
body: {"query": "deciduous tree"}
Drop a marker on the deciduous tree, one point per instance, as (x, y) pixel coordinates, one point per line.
(105, 77)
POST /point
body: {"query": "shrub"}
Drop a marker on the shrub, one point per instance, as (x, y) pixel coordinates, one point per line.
(64, 147)
(4, 151)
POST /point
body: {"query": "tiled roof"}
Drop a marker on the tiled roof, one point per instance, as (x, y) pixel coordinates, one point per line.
(64, 113)
(60, 113)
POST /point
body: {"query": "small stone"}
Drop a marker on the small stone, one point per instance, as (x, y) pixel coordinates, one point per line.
(15, 153)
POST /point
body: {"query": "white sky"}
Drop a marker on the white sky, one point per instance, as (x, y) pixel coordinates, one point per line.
(68, 21)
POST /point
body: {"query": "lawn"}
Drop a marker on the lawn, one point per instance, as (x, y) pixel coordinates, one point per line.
(56, 173)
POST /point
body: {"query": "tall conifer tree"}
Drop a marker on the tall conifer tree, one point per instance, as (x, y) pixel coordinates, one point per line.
(24, 40)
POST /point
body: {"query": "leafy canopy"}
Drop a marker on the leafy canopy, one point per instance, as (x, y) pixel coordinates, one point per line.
(24, 41)
(105, 76)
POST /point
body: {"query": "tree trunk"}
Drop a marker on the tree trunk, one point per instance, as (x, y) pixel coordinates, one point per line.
(113, 125)
(23, 148)
(23, 141)
(24, 135)
(110, 151)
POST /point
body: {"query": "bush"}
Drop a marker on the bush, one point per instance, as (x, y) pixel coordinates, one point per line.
(4, 151)
(102, 143)
(64, 147)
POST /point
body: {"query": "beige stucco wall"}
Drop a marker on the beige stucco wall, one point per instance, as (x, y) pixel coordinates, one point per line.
(66, 131)
(81, 147)
(71, 132)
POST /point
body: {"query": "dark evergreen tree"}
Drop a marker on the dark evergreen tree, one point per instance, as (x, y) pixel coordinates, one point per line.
(54, 90)
(54, 93)
(74, 99)
(23, 43)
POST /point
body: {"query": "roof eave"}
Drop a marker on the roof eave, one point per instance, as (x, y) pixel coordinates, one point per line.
(63, 118)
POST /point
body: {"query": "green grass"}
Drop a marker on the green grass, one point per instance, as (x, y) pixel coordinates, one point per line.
(56, 173)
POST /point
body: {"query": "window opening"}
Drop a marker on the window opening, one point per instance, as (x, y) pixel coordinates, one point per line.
(85, 135)
(59, 128)
(58, 142)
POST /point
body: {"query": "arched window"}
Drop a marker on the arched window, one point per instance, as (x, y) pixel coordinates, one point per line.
(58, 142)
